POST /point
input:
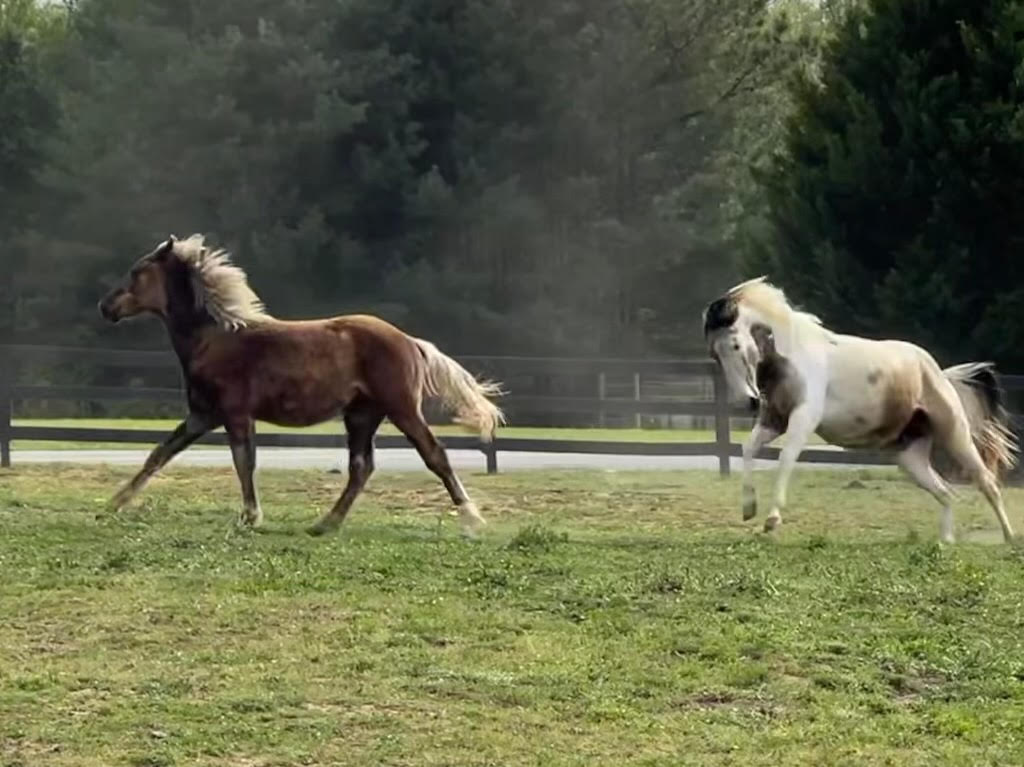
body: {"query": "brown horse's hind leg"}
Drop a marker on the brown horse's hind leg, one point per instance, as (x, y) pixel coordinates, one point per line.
(434, 456)
(362, 418)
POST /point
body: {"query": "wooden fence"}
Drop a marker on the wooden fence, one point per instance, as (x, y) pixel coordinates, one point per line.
(601, 405)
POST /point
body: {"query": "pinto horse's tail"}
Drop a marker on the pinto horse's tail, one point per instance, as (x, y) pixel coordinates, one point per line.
(982, 397)
(456, 387)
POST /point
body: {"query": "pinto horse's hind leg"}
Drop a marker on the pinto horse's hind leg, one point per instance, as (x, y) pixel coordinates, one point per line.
(915, 460)
(242, 438)
(436, 458)
(362, 419)
(961, 447)
(187, 432)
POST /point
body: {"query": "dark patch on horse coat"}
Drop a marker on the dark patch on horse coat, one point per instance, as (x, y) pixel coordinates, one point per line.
(873, 377)
(721, 313)
(781, 392)
(917, 427)
(900, 422)
(778, 383)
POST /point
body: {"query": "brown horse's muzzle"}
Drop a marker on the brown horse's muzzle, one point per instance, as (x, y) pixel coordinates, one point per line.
(115, 305)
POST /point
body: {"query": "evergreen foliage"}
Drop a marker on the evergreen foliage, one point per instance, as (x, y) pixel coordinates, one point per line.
(896, 204)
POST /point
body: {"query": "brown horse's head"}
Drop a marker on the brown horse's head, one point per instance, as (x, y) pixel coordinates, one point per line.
(188, 284)
(146, 287)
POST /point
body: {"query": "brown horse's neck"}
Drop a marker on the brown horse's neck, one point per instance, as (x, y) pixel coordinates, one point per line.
(185, 320)
(184, 326)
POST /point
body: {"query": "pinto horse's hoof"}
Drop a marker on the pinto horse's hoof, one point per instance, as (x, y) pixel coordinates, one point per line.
(772, 523)
(749, 509)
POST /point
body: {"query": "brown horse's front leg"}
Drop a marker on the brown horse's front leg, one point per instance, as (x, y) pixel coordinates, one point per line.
(242, 437)
(187, 432)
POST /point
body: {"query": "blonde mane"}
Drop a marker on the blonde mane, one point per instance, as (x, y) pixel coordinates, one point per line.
(220, 286)
(770, 304)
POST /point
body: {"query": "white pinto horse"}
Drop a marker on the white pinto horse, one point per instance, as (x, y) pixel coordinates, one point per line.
(855, 393)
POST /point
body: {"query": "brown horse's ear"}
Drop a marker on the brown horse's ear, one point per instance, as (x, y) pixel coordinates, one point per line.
(764, 339)
(166, 247)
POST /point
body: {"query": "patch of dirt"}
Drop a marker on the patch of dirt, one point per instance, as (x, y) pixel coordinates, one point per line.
(714, 699)
(17, 752)
(910, 689)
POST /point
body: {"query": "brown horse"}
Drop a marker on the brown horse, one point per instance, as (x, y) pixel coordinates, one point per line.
(241, 364)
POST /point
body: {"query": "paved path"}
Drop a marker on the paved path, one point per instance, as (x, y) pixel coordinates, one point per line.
(396, 459)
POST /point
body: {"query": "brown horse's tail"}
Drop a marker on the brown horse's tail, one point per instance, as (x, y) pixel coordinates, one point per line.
(982, 397)
(456, 387)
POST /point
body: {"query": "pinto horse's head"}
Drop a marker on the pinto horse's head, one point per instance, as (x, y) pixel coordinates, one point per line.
(147, 286)
(734, 346)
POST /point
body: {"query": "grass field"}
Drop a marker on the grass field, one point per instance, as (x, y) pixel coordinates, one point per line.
(608, 435)
(603, 619)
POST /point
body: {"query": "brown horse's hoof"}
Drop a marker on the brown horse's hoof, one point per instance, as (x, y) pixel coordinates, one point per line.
(320, 529)
(119, 501)
(250, 518)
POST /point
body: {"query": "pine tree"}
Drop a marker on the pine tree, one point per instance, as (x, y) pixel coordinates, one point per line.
(28, 116)
(896, 205)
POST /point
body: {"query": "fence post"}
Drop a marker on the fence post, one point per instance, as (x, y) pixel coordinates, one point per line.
(601, 390)
(6, 379)
(722, 432)
(637, 417)
(491, 451)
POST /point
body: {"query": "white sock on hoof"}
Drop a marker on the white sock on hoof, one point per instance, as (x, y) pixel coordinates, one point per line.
(470, 517)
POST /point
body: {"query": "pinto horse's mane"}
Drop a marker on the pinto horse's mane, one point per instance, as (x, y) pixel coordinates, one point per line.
(770, 304)
(220, 286)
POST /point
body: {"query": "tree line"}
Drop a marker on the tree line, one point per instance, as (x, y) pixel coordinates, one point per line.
(503, 176)
(519, 177)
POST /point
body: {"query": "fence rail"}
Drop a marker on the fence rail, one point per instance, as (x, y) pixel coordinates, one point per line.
(598, 405)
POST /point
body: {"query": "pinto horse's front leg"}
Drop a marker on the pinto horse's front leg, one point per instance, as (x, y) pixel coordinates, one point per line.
(187, 432)
(759, 437)
(802, 423)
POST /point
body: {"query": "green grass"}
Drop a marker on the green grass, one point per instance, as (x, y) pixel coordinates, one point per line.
(603, 619)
